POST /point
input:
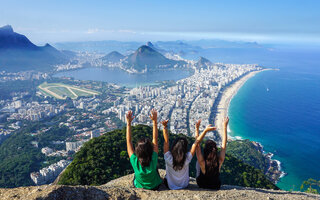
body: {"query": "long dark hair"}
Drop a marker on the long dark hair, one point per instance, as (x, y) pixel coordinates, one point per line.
(144, 150)
(210, 154)
(179, 150)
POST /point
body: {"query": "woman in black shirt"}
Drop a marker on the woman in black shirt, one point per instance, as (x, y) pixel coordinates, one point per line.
(209, 164)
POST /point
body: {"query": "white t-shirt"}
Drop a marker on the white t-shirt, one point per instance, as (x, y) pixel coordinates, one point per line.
(177, 179)
(198, 169)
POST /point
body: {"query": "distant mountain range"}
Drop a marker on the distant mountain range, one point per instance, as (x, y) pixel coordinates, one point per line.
(18, 53)
(216, 50)
(147, 58)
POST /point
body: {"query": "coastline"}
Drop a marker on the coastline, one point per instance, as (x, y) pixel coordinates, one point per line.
(274, 172)
(228, 94)
(274, 168)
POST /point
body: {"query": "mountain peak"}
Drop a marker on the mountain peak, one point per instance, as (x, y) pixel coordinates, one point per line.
(204, 60)
(6, 29)
(115, 53)
(144, 48)
(113, 56)
(149, 44)
(48, 46)
(146, 56)
(18, 53)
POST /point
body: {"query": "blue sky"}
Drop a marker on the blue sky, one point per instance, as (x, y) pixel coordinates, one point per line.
(78, 20)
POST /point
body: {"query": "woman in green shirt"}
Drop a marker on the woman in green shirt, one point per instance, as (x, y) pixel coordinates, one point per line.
(144, 159)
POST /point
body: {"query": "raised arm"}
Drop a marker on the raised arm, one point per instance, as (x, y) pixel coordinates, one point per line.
(129, 118)
(200, 138)
(153, 117)
(224, 142)
(165, 136)
(198, 150)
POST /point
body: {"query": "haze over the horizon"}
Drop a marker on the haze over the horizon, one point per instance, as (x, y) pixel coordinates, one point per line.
(267, 21)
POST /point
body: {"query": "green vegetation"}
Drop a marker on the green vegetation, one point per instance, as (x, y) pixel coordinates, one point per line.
(62, 91)
(310, 186)
(246, 151)
(9, 87)
(105, 158)
(19, 157)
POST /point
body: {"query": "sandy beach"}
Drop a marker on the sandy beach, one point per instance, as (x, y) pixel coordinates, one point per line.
(228, 93)
(222, 110)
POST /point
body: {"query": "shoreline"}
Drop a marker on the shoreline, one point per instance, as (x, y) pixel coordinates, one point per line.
(274, 171)
(228, 94)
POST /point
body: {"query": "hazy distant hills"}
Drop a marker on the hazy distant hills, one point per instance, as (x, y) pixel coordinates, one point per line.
(124, 48)
(148, 58)
(215, 50)
(203, 62)
(113, 57)
(18, 53)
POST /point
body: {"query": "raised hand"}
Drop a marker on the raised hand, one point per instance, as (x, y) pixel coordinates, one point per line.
(226, 121)
(153, 115)
(198, 124)
(165, 123)
(129, 117)
(197, 127)
(210, 128)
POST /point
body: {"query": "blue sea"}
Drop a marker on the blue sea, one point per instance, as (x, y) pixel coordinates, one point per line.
(281, 110)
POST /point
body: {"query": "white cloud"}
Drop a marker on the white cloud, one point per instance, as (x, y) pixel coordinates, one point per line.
(92, 31)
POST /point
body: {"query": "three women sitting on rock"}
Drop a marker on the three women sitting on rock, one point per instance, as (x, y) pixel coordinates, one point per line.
(144, 158)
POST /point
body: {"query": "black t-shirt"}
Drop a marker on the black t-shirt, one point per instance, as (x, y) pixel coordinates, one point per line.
(209, 180)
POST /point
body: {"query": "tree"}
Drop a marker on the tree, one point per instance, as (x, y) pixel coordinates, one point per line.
(310, 186)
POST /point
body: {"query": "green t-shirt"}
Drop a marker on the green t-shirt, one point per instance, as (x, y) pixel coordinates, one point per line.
(146, 177)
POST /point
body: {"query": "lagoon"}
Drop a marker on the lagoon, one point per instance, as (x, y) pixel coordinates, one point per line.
(120, 77)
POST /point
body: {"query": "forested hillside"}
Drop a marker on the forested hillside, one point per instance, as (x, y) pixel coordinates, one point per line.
(105, 158)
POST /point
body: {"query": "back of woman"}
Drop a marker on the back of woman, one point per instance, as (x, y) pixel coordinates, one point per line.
(144, 158)
(209, 164)
(177, 164)
(178, 158)
(144, 163)
(211, 178)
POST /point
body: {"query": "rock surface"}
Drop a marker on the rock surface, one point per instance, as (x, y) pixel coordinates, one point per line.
(122, 188)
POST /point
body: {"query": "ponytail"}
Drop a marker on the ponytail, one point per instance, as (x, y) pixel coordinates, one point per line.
(211, 157)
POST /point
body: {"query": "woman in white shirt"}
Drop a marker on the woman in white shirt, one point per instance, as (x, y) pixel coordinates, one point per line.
(178, 158)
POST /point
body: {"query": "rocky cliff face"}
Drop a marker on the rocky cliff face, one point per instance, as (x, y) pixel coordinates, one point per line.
(122, 189)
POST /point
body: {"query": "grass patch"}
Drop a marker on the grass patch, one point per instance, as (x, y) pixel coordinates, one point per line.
(62, 91)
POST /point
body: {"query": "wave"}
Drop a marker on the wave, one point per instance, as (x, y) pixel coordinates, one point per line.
(228, 129)
(235, 137)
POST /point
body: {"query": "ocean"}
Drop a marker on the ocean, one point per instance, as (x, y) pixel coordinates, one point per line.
(281, 110)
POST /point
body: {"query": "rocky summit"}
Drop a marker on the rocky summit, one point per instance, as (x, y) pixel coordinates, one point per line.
(122, 188)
